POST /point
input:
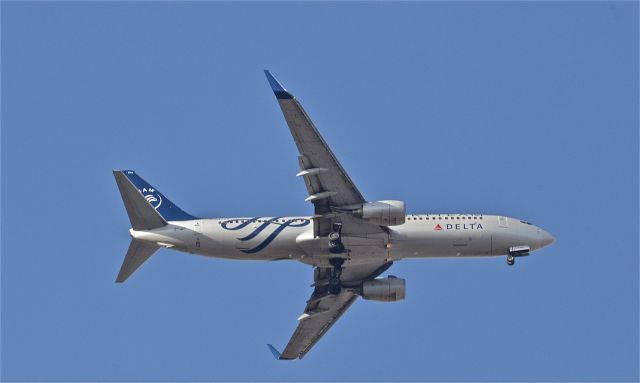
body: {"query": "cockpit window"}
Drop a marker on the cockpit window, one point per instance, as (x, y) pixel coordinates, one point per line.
(526, 223)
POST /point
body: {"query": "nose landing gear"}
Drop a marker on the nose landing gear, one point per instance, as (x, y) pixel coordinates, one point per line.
(517, 251)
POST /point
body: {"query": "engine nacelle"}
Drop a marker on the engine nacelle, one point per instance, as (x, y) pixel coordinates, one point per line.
(390, 289)
(385, 213)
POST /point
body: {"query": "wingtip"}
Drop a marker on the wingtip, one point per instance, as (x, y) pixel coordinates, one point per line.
(278, 89)
(276, 353)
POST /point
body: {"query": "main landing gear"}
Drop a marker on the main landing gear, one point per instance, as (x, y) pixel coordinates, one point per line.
(335, 285)
(335, 239)
(336, 247)
(511, 259)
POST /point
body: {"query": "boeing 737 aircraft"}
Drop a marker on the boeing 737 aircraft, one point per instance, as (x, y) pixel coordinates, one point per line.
(348, 240)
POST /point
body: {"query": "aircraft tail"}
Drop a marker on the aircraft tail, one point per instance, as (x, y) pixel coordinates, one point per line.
(147, 209)
(146, 206)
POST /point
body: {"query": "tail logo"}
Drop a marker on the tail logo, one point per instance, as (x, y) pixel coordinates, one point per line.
(152, 196)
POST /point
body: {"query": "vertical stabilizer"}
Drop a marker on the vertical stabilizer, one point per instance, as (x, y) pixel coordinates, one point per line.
(154, 198)
(142, 214)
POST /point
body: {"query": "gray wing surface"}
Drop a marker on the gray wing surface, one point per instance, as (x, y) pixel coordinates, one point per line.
(323, 309)
(321, 313)
(327, 182)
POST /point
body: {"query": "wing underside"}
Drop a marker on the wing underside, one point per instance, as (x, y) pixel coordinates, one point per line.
(324, 309)
(321, 313)
(327, 183)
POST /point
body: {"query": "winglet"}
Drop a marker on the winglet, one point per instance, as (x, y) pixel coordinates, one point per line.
(276, 353)
(278, 89)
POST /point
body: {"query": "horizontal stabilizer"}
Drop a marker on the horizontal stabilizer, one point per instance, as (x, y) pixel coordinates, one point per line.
(137, 254)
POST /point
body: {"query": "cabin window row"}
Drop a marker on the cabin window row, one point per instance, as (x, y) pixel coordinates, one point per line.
(414, 218)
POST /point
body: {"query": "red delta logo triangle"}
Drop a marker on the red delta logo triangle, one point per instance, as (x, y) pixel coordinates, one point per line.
(438, 227)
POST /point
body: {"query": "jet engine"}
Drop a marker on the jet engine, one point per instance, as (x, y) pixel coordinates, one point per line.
(390, 289)
(385, 213)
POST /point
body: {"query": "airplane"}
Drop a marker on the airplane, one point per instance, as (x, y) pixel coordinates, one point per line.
(349, 241)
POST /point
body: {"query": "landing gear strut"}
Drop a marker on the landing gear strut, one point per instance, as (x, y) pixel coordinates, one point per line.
(336, 247)
(335, 285)
(517, 251)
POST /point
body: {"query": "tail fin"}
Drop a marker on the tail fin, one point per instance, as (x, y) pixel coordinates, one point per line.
(146, 206)
(147, 209)
(137, 254)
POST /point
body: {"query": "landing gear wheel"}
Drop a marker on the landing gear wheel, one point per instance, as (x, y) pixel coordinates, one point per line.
(336, 247)
(334, 286)
(334, 236)
(510, 260)
(335, 239)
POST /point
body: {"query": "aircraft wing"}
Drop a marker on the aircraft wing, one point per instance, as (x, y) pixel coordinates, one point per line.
(327, 182)
(324, 309)
(321, 313)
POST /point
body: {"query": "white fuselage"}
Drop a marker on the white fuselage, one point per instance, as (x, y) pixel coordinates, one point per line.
(421, 236)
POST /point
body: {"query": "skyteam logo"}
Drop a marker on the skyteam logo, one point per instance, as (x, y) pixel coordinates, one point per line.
(152, 196)
(259, 225)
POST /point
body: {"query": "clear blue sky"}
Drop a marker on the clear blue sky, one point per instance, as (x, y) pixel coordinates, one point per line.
(521, 109)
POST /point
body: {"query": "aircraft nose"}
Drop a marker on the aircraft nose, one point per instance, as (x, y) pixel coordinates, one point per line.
(547, 239)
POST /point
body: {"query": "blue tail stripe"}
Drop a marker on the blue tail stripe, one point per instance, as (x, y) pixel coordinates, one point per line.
(167, 209)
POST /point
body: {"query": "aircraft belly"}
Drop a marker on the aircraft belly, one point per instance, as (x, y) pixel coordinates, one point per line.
(418, 241)
(362, 249)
